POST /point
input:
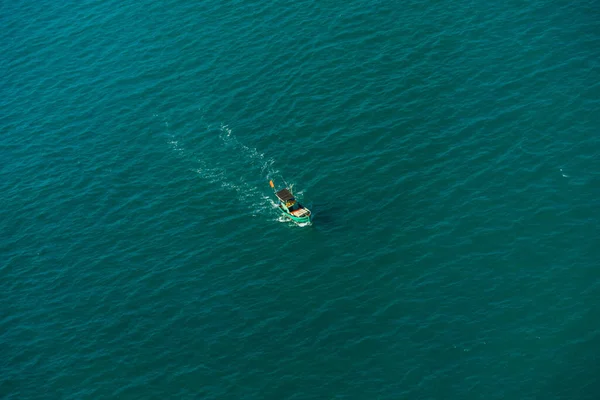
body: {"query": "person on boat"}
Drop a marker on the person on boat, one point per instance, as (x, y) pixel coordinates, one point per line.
(290, 204)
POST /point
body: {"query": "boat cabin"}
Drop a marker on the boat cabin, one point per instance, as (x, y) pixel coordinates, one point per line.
(287, 199)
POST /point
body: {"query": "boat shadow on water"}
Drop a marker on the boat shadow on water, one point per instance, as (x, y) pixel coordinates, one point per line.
(324, 216)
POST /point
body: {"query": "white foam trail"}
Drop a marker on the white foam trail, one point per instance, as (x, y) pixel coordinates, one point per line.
(252, 155)
(212, 175)
(175, 145)
(245, 187)
(290, 222)
(303, 224)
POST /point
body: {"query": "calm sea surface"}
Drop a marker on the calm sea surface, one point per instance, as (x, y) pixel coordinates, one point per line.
(450, 153)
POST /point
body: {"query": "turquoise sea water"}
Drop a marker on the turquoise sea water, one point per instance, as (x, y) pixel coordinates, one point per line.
(450, 152)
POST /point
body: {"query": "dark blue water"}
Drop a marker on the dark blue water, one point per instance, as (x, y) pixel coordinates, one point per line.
(449, 152)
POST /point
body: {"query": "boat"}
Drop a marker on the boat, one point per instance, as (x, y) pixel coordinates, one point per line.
(290, 207)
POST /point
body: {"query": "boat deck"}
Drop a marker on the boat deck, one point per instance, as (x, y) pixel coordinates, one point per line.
(301, 212)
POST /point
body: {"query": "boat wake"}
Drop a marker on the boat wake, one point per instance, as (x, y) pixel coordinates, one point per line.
(250, 154)
(221, 159)
(264, 167)
(288, 221)
(303, 224)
